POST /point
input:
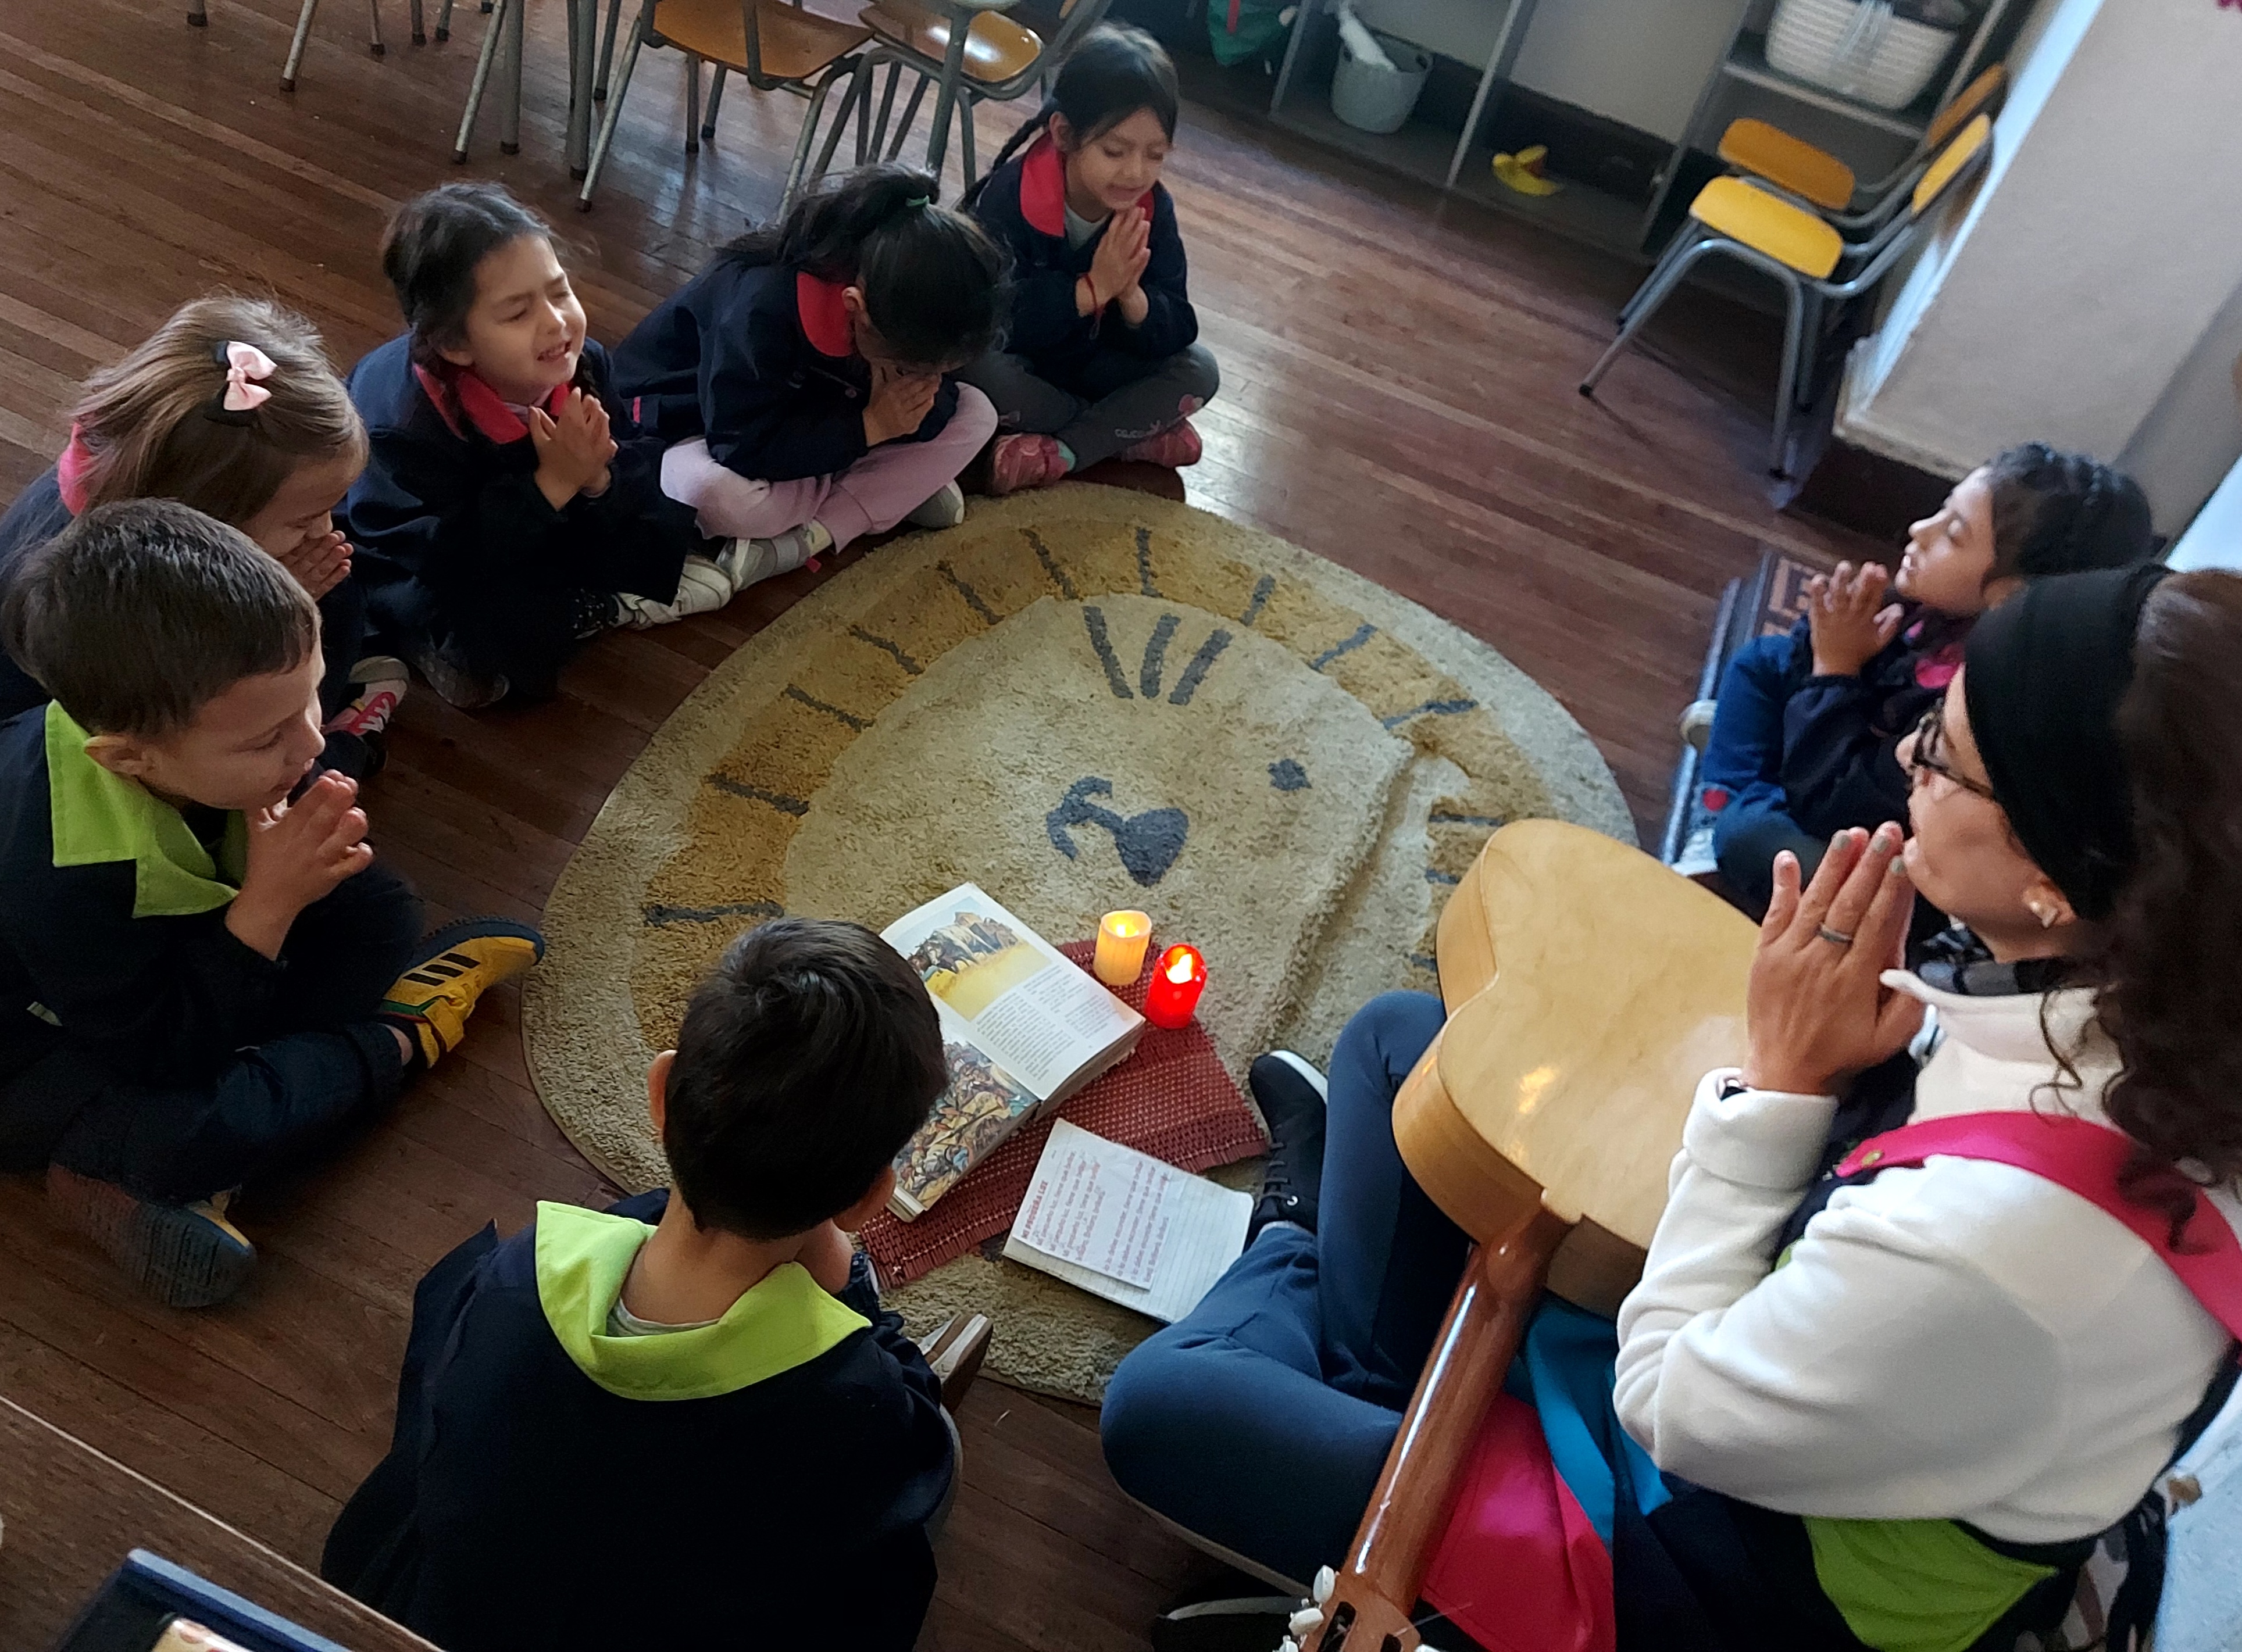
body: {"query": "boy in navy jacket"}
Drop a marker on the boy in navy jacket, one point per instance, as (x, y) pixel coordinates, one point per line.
(716, 1342)
(200, 980)
(1103, 359)
(509, 507)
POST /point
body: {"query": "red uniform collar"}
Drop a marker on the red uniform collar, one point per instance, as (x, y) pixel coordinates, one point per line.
(462, 398)
(1042, 189)
(71, 472)
(824, 316)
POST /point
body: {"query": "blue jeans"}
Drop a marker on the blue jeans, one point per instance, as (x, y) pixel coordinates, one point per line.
(1744, 758)
(1261, 1421)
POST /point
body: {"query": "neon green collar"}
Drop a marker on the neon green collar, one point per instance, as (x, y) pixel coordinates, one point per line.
(582, 1258)
(99, 817)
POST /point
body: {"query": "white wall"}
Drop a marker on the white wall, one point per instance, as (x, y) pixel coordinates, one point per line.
(2087, 296)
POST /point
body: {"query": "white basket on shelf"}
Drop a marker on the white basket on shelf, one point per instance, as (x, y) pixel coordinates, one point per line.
(1858, 48)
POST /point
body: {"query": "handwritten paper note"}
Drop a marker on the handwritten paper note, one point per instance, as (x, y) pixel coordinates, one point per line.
(1124, 1226)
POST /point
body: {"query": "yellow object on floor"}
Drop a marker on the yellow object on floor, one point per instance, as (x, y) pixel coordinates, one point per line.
(1788, 233)
(1523, 172)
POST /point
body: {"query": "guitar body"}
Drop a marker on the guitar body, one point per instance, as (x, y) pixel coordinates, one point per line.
(1589, 989)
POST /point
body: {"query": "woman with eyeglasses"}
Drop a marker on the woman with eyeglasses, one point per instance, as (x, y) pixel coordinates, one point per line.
(1896, 1395)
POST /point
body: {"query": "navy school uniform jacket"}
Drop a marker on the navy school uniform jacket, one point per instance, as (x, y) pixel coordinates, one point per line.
(1023, 206)
(1841, 735)
(757, 360)
(112, 932)
(456, 546)
(47, 506)
(761, 1482)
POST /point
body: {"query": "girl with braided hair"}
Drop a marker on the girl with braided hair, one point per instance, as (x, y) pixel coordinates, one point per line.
(1804, 740)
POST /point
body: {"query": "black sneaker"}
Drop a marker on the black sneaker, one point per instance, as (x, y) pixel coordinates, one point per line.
(1290, 1095)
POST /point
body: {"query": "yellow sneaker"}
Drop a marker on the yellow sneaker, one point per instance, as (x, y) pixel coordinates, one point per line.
(458, 963)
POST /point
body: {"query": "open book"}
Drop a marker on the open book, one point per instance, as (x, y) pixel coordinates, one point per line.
(1122, 1225)
(1021, 1026)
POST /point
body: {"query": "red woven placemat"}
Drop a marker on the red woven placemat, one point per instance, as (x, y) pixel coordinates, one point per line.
(1171, 1099)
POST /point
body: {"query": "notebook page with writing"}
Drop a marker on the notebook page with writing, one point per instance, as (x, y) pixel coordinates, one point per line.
(1122, 1225)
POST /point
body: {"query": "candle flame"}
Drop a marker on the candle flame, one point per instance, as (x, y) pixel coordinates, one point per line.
(1181, 969)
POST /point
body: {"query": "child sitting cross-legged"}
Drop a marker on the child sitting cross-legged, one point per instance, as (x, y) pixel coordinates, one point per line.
(1102, 360)
(509, 508)
(204, 974)
(804, 379)
(716, 1346)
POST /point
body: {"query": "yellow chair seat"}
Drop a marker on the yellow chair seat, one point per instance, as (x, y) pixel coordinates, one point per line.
(1951, 159)
(795, 44)
(1787, 234)
(1966, 105)
(996, 48)
(1789, 163)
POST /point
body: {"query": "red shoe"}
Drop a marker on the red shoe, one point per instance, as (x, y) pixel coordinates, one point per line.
(1174, 447)
(1025, 461)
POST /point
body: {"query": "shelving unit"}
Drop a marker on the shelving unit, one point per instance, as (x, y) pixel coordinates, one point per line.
(1405, 150)
(1745, 62)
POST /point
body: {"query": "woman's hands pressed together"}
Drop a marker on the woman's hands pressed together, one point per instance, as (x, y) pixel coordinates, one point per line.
(1817, 1012)
(573, 449)
(899, 402)
(319, 563)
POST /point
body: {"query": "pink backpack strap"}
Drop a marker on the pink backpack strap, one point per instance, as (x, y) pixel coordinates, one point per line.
(2087, 1159)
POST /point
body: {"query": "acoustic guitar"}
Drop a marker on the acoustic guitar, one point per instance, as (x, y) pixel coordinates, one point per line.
(1589, 989)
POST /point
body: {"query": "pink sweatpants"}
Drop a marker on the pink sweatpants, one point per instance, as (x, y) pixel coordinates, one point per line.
(872, 496)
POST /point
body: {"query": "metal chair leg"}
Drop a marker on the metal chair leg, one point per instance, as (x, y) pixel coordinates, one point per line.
(692, 104)
(476, 87)
(606, 51)
(198, 18)
(945, 100)
(863, 120)
(295, 46)
(1794, 341)
(443, 21)
(798, 176)
(1682, 238)
(509, 117)
(716, 98)
(911, 118)
(886, 106)
(599, 160)
(420, 25)
(1646, 306)
(374, 6)
(965, 130)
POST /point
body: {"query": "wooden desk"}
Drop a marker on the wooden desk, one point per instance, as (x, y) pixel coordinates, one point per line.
(71, 1514)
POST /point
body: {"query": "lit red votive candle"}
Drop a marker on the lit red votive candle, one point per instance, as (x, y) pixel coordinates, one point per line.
(1177, 980)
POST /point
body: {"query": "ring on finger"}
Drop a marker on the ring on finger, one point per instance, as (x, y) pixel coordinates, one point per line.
(1834, 937)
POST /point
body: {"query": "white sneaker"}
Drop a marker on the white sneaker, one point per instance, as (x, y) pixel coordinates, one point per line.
(945, 510)
(750, 562)
(702, 588)
(1696, 722)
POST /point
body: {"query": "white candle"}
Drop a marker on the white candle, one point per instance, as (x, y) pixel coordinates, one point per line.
(1121, 938)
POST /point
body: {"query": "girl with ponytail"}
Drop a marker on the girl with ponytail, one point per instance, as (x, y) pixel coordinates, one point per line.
(1103, 361)
(803, 379)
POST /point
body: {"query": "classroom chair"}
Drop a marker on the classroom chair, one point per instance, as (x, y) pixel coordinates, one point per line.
(1732, 217)
(1818, 178)
(775, 46)
(969, 52)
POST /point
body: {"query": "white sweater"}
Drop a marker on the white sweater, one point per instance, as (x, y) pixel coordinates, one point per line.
(1965, 1341)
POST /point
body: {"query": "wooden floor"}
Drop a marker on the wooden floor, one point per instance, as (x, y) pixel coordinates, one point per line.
(1399, 396)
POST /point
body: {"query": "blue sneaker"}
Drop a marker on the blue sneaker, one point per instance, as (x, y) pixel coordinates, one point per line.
(184, 1256)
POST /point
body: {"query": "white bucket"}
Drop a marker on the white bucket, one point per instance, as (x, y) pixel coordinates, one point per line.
(1375, 99)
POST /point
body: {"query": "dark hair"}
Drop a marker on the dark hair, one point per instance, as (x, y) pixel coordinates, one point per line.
(1115, 71)
(932, 279)
(2056, 512)
(145, 421)
(2172, 953)
(806, 1061)
(431, 250)
(138, 614)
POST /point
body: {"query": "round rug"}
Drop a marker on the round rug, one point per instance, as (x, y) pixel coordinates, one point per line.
(1083, 698)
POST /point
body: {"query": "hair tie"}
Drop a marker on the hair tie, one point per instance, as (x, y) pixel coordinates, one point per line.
(919, 200)
(246, 368)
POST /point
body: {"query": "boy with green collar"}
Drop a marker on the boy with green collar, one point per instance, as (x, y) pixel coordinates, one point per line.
(686, 1421)
(203, 973)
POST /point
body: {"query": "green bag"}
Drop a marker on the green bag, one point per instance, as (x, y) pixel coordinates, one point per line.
(1248, 28)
